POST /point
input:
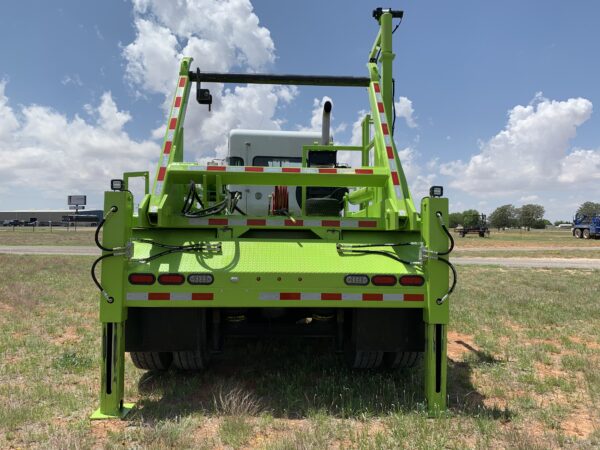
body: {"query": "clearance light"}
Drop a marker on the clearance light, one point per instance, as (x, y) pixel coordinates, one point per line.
(142, 278)
(356, 280)
(412, 280)
(384, 280)
(171, 278)
(200, 278)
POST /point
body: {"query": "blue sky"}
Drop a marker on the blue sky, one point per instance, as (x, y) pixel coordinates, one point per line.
(497, 97)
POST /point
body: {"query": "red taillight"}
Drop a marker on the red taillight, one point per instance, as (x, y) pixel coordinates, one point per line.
(142, 278)
(384, 280)
(171, 278)
(412, 280)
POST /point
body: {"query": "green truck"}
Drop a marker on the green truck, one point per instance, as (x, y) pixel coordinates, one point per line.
(280, 238)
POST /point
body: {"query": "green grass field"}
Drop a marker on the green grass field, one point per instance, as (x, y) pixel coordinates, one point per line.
(524, 349)
(523, 239)
(43, 236)
(529, 253)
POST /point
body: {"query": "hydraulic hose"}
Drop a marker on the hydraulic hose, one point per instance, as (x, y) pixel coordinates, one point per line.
(111, 251)
(112, 210)
(441, 300)
(447, 252)
(108, 298)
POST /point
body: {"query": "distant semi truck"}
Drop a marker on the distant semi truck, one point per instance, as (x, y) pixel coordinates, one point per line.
(586, 227)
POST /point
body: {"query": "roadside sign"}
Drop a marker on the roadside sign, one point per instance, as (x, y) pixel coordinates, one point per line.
(76, 207)
(76, 200)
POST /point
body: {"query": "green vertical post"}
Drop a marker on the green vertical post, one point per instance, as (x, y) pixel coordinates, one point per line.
(366, 139)
(436, 312)
(386, 58)
(113, 313)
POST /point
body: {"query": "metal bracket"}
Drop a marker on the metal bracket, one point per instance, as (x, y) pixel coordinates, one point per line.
(126, 251)
(426, 254)
(203, 96)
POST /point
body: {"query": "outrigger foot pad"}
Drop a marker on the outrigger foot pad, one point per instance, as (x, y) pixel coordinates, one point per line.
(125, 409)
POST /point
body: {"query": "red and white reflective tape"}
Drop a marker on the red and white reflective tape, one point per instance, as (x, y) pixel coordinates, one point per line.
(303, 170)
(171, 127)
(185, 296)
(282, 222)
(337, 296)
(387, 137)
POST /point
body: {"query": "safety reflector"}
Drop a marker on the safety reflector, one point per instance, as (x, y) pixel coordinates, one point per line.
(356, 280)
(384, 280)
(142, 278)
(200, 278)
(171, 278)
(412, 280)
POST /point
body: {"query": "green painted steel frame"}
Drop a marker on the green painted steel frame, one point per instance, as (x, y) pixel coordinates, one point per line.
(383, 200)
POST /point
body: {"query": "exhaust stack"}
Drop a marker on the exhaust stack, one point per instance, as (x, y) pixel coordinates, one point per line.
(326, 126)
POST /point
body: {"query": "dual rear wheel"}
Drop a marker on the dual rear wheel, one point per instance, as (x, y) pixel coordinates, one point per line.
(581, 233)
(371, 359)
(161, 361)
(198, 360)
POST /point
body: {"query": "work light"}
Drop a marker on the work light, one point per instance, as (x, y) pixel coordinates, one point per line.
(436, 191)
(117, 185)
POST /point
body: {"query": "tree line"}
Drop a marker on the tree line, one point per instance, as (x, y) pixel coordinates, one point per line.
(508, 216)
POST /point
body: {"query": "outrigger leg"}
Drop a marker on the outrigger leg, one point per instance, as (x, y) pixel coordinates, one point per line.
(435, 368)
(113, 373)
(434, 213)
(113, 313)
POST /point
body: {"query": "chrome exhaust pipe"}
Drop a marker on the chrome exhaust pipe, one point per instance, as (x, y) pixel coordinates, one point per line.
(326, 124)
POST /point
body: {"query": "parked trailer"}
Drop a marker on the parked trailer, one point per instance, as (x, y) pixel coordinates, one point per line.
(474, 224)
(207, 257)
(586, 227)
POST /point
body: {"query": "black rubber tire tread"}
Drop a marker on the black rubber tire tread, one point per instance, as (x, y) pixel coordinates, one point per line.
(364, 359)
(586, 234)
(402, 360)
(191, 360)
(577, 233)
(159, 361)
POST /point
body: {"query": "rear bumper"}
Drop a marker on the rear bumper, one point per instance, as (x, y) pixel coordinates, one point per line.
(258, 298)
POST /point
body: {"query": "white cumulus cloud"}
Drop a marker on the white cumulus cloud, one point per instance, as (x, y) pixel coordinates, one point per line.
(531, 153)
(220, 36)
(405, 110)
(44, 150)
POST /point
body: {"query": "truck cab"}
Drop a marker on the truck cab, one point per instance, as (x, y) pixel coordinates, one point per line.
(268, 149)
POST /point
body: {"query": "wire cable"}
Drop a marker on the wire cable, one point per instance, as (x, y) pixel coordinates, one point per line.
(393, 104)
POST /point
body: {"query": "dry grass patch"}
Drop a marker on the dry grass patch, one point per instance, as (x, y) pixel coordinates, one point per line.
(522, 374)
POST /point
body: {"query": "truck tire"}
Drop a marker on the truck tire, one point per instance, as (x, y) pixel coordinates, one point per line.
(577, 233)
(401, 360)
(586, 234)
(191, 360)
(364, 359)
(159, 361)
